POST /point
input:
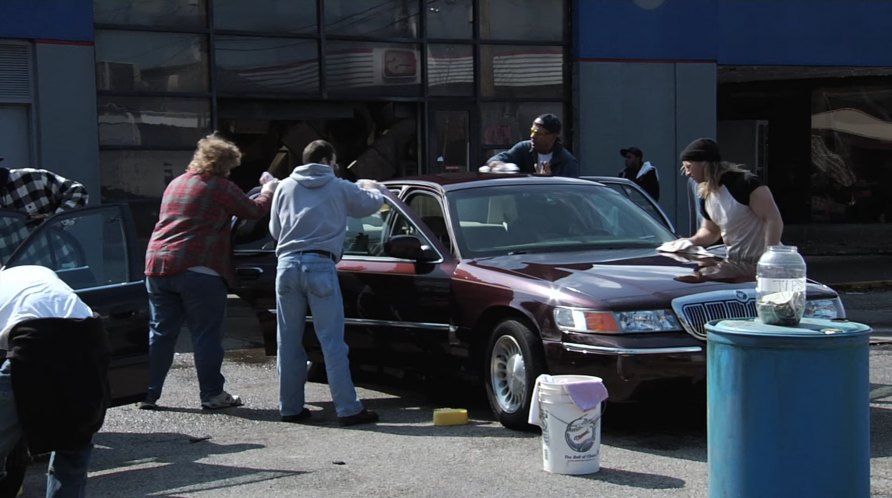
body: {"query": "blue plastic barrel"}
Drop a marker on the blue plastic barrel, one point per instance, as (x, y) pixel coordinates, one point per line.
(788, 409)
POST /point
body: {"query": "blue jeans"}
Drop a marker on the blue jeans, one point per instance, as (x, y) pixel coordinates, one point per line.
(311, 280)
(200, 301)
(67, 472)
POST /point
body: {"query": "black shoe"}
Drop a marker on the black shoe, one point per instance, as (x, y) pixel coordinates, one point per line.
(303, 415)
(363, 417)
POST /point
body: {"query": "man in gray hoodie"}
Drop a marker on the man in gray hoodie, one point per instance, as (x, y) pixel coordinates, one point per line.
(308, 219)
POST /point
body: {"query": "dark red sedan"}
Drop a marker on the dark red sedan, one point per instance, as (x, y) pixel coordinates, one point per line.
(510, 276)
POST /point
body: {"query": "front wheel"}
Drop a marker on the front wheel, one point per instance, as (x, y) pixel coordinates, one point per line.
(514, 359)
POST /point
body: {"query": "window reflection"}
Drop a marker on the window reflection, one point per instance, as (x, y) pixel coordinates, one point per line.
(129, 174)
(266, 64)
(450, 69)
(449, 19)
(128, 61)
(279, 16)
(372, 17)
(153, 121)
(506, 123)
(521, 71)
(373, 68)
(157, 13)
(542, 20)
(851, 141)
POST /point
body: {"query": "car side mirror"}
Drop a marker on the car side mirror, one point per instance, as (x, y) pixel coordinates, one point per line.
(408, 247)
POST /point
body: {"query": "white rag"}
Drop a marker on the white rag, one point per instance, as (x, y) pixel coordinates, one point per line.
(683, 246)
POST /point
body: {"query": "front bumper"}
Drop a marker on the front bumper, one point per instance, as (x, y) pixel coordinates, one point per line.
(630, 366)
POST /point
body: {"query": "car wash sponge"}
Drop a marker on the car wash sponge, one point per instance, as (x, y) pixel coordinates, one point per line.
(450, 416)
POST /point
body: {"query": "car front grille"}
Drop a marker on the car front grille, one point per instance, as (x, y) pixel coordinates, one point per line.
(697, 309)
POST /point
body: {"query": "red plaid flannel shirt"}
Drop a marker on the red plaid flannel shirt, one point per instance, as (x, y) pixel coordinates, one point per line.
(194, 225)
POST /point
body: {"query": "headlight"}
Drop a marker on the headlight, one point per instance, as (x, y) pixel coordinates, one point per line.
(608, 322)
(647, 321)
(827, 309)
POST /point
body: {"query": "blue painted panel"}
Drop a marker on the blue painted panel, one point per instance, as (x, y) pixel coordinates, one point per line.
(68, 20)
(792, 32)
(627, 29)
(844, 33)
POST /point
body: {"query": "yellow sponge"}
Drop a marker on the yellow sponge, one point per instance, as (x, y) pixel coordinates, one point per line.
(450, 416)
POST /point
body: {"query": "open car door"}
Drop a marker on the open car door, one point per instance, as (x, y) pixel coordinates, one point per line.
(94, 251)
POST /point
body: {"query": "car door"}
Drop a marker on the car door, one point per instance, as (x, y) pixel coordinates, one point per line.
(94, 251)
(397, 310)
(393, 307)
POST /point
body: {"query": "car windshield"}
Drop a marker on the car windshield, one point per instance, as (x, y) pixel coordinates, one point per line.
(516, 219)
(14, 229)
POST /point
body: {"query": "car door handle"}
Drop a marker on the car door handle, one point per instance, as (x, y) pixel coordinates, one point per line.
(249, 272)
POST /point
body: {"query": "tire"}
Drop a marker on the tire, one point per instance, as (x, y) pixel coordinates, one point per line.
(514, 359)
(16, 464)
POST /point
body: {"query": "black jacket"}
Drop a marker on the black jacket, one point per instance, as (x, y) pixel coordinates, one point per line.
(59, 371)
(522, 154)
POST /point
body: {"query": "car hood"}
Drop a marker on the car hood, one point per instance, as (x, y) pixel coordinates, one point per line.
(612, 275)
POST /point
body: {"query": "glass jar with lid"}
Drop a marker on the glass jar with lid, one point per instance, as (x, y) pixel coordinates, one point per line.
(780, 286)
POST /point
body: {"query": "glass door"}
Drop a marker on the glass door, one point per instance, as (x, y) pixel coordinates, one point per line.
(450, 131)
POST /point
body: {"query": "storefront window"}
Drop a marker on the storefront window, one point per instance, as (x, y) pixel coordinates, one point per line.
(377, 18)
(521, 71)
(452, 19)
(153, 121)
(156, 13)
(131, 174)
(266, 64)
(450, 69)
(373, 68)
(503, 124)
(851, 154)
(279, 16)
(542, 20)
(157, 62)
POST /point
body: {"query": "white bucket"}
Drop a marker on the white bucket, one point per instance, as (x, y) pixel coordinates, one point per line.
(571, 437)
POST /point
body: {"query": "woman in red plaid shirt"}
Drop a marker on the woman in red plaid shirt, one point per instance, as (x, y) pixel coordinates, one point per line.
(189, 269)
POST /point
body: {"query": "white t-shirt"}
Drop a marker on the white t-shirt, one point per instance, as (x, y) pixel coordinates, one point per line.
(30, 292)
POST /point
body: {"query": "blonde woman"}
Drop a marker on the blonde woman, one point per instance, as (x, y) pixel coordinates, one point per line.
(189, 270)
(735, 205)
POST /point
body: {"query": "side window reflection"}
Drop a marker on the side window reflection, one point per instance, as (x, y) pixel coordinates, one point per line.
(366, 236)
(85, 250)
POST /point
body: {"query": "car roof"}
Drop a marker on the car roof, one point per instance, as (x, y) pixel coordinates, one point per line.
(449, 182)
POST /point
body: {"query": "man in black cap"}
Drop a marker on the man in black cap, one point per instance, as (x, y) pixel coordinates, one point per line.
(735, 205)
(641, 172)
(542, 154)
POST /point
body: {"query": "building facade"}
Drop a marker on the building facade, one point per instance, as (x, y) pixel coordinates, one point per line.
(117, 92)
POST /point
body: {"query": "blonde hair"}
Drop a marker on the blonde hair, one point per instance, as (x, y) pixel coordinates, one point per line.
(215, 155)
(713, 171)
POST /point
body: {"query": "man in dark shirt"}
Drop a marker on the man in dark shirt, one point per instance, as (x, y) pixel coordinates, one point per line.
(640, 171)
(542, 154)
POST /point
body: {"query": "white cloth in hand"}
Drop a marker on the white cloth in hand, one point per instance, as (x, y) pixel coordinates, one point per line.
(366, 184)
(683, 246)
(266, 177)
(269, 187)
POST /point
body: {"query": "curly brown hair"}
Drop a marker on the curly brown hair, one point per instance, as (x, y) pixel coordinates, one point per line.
(215, 155)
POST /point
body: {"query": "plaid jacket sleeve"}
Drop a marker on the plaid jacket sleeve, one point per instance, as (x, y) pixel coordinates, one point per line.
(38, 191)
(71, 194)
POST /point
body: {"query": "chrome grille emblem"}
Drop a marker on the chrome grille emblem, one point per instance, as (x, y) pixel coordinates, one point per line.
(696, 310)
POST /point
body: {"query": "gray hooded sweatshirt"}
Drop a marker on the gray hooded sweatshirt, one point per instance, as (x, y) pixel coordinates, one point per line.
(310, 210)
